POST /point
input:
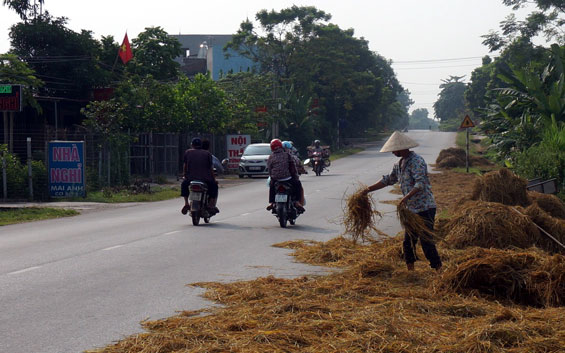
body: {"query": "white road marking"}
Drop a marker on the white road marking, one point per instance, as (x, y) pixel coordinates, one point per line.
(246, 214)
(173, 232)
(112, 247)
(25, 270)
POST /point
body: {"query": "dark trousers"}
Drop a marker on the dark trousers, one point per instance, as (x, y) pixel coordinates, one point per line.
(212, 188)
(296, 190)
(428, 245)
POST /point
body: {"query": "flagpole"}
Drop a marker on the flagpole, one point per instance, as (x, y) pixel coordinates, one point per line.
(115, 61)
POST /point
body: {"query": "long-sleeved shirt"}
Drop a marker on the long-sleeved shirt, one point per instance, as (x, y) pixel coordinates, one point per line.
(198, 165)
(412, 172)
(281, 165)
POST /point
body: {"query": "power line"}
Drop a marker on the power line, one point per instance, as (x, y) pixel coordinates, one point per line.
(436, 60)
(432, 67)
(417, 83)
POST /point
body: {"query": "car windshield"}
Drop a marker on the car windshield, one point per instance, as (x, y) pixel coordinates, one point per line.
(252, 150)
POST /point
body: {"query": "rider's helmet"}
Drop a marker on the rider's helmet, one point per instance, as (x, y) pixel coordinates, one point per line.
(196, 143)
(276, 144)
(287, 145)
(317, 143)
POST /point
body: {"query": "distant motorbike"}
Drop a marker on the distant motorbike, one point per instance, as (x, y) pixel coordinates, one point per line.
(319, 162)
(198, 197)
(284, 209)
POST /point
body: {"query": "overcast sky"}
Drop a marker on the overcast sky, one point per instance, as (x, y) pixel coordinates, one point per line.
(427, 40)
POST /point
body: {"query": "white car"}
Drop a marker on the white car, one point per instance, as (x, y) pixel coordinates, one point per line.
(254, 160)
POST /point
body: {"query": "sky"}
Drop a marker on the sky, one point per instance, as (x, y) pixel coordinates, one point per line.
(427, 40)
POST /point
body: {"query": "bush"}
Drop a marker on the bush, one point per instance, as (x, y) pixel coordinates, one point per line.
(40, 181)
(17, 177)
(449, 125)
(545, 160)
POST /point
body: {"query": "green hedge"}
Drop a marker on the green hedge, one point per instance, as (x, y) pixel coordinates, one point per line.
(17, 177)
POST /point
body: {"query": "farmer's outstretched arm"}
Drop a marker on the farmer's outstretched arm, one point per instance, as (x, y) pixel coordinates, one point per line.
(378, 185)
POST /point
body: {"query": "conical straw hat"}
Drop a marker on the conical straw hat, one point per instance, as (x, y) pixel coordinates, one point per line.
(397, 142)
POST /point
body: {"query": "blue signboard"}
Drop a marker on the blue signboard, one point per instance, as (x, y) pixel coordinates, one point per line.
(66, 169)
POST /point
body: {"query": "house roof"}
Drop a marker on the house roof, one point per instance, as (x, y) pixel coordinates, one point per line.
(193, 41)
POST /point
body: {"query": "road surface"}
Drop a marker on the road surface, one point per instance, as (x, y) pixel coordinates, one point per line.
(82, 282)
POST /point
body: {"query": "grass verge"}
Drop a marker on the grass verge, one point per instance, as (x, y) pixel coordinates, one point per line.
(344, 153)
(158, 193)
(20, 215)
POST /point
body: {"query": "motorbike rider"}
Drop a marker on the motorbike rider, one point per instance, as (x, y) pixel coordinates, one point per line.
(283, 168)
(198, 165)
(287, 146)
(215, 161)
(293, 149)
(317, 147)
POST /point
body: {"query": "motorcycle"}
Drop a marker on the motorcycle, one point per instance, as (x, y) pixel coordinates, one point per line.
(198, 197)
(284, 209)
(318, 162)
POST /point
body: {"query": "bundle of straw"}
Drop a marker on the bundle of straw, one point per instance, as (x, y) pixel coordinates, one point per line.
(414, 224)
(502, 186)
(360, 217)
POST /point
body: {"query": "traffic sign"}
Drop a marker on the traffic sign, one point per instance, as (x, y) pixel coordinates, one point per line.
(467, 122)
(10, 98)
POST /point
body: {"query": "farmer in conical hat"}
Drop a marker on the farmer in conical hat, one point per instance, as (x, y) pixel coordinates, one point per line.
(412, 174)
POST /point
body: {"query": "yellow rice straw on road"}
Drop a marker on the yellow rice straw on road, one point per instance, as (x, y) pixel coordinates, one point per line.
(360, 215)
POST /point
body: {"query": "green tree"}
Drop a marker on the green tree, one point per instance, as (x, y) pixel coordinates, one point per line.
(15, 71)
(25, 9)
(150, 105)
(478, 85)
(205, 102)
(419, 119)
(245, 92)
(530, 102)
(548, 21)
(451, 103)
(355, 86)
(154, 52)
(282, 32)
(67, 61)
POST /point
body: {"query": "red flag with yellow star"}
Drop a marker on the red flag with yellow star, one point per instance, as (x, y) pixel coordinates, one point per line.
(125, 50)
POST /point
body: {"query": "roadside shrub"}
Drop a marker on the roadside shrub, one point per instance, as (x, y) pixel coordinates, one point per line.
(40, 181)
(17, 177)
(545, 160)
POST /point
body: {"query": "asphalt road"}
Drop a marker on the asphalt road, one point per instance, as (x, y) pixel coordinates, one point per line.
(77, 283)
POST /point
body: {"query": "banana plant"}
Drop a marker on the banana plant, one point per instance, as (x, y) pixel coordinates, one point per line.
(529, 105)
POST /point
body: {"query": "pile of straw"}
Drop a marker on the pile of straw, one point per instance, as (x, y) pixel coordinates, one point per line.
(452, 158)
(549, 203)
(360, 215)
(529, 277)
(552, 225)
(489, 225)
(501, 186)
(455, 157)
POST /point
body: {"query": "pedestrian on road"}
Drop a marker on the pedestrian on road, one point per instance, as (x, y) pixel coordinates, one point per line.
(412, 174)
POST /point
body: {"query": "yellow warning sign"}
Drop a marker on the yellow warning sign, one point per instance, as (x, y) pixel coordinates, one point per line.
(467, 122)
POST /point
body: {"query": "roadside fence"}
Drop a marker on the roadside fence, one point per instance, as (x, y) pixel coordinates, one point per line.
(108, 162)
